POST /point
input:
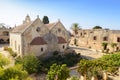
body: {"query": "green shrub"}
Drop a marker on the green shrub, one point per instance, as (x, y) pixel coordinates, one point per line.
(14, 73)
(12, 53)
(30, 63)
(70, 59)
(55, 53)
(74, 78)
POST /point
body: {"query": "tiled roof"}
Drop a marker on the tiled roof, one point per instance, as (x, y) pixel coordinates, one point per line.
(21, 28)
(38, 41)
(50, 25)
(61, 40)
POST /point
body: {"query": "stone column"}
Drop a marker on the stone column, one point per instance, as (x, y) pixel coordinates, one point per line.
(94, 78)
(105, 76)
(83, 77)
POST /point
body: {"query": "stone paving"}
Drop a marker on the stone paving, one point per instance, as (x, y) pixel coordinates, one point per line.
(87, 53)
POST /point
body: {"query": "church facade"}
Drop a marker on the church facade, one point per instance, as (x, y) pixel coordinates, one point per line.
(38, 38)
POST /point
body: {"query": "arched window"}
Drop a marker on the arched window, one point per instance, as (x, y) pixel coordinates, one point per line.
(11, 42)
(63, 46)
(118, 39)
(38, 29)
(8, 40)
(81, 33)
(15, 46)
(19, 48)
(59, 30)
(105, 38)
(5, 33)
(56, 32)
(41, 49)
(1, 40)
(94, 38)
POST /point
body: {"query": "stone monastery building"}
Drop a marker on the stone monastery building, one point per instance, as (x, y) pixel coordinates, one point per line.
(94, 38)
(38, 38)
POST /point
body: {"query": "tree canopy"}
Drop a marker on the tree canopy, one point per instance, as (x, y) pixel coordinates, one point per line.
(13, 73)
(104, 44)
(58, 72)
(107, 63)
(45, 20)
(3, 61)
(113, 45)
(30, 63)
(97, 27)
(75, 27)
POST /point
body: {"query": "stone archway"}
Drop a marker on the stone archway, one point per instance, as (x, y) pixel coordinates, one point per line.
(7, 40)
(117, 48)
(1, 41)
(5, 33)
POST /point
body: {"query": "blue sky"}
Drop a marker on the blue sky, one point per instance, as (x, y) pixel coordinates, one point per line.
(87, 13)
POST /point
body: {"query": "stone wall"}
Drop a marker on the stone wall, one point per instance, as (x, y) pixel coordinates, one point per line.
(38, 50)
(93, 38)
(16, 43)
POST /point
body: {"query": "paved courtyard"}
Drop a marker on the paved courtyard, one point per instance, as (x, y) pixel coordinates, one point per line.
(87, 53)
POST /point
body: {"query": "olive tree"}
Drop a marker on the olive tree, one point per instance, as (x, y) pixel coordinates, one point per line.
(58, 72)
(30, 63)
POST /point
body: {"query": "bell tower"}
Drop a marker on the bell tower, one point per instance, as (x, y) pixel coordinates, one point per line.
(27, 19)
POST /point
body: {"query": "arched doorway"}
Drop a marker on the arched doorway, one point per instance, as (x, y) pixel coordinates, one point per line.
(117, 48)
(7, 40)
(5, 33)
(1, 41)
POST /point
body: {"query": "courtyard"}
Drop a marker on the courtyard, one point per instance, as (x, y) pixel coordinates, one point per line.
(87, 53)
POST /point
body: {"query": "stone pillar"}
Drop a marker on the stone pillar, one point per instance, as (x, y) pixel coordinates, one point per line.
(56, 77)
(105, 76)
(94, 78)
(83, 77)
(119, 72)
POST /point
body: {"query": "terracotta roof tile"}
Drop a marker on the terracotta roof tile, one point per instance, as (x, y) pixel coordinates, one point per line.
(61, 40)
(38, 41)
(21, 28)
